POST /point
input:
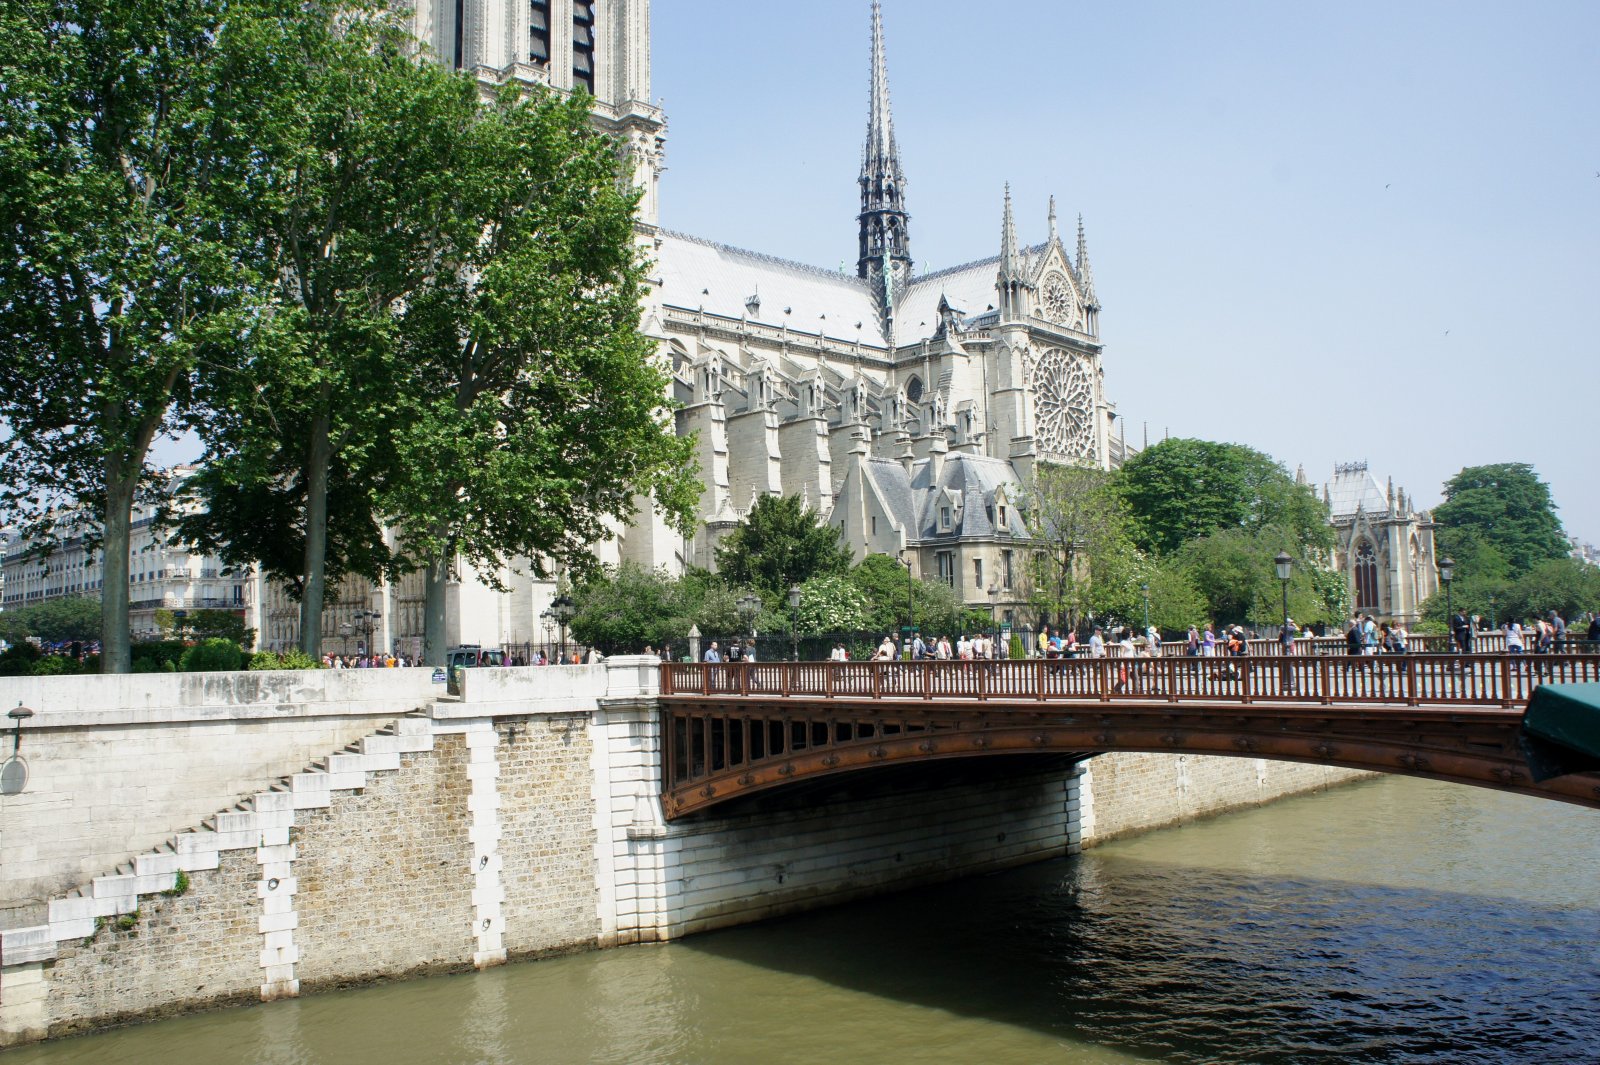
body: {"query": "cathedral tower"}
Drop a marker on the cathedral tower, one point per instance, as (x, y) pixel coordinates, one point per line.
(885, 241)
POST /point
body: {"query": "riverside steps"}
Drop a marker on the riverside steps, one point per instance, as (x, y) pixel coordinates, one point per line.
(183, 842)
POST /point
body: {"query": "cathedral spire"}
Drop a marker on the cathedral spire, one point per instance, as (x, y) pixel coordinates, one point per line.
(1054, 235)
(1009, 257)
(885, 253)
(1085, 271)
(1010, 280)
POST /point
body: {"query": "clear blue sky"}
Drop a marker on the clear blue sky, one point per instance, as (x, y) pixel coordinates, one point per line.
(1331, 232)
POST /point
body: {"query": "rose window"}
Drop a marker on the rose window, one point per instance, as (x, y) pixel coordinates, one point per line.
(1064, 403)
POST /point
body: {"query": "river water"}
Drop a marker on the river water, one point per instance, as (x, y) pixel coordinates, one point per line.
(1392, 921)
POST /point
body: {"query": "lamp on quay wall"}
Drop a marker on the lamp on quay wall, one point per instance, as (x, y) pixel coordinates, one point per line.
(18, 714)
(794, 622)
(1447, 574)
(1284, 564)
(14, 773)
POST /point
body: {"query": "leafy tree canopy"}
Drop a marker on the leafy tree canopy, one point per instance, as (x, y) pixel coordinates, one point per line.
(1184, 489)
(1233, 571)
(53, 621)
(780, 543)
(887, 591)
(1503, 507)
(1083, 557)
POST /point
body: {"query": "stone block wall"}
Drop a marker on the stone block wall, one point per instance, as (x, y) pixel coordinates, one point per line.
(1129, 793)
(384, 877)
(189, 952)
(740, 869)
(547, 834)
(117, 764)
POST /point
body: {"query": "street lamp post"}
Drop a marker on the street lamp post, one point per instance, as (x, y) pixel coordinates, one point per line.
(994, 620)
(911, 605)
(749, 607)
(1493, 621)
(561, 610)
(1447, 575)
(1145, 588)
(369, 619)
(1284, 564)
(794, 622)
(345, 630)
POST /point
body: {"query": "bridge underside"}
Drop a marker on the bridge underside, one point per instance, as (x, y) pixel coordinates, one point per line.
(722, 750)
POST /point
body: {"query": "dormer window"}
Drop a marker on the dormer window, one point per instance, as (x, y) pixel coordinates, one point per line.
(1002, 522)
(944, 519)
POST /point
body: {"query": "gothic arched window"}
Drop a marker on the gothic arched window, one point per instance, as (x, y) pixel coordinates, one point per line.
(1366, 576)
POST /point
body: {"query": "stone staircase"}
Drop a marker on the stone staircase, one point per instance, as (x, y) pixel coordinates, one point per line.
(260, 822)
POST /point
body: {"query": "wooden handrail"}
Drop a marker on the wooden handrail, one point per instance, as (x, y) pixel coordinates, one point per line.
(1409, 680)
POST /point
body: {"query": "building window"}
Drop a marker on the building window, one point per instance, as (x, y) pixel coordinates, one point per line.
(1002, 522)
(461, 33)
(1005, 570)
(946, 563)
(977, 574)
(583, 44)
(539, 32)
(944, 518)
(874, 525)
(1366, 576)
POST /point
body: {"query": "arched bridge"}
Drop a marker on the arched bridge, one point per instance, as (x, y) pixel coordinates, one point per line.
(734, 730)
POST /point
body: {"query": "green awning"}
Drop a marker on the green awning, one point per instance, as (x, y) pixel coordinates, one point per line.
(1561, 730)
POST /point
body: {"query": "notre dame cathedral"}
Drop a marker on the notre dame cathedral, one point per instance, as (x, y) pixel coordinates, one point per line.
(908, 410)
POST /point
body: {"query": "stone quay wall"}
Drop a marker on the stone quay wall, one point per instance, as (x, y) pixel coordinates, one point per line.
(520, 820)
(117, 764)
(1125, 794)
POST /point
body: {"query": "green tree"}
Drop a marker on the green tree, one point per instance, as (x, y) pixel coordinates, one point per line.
(1182, 489)
(54, 621)
(887, 592)
(1503, 507)
(1233, 571)
(118, 177)
(533, 415)
(780, 543)
(358, 147)
(621, 610)
(1082, 555)
(1565, 585)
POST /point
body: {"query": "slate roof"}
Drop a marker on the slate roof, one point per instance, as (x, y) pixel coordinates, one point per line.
(1353, 487)
(973, 479)
(700, 274)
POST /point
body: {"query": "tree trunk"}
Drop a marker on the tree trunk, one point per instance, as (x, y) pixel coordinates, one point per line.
(319, 458)
(116, 652)
(435, 582)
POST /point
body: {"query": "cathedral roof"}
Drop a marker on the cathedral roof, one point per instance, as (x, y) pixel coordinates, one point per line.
(1354, 488)
(970, 288)
(915, 501)
(699, 274)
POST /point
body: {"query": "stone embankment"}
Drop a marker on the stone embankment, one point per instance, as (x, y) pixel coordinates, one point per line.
(520, 820)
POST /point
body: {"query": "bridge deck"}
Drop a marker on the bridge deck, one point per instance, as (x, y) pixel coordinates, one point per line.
(732, 729)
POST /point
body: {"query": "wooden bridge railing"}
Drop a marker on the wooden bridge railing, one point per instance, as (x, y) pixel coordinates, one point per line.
(1410, 680)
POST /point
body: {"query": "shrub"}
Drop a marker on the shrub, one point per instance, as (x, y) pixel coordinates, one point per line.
(291, 659)
(56, 666)
(158, 656)
(18, 660)
(213, 656)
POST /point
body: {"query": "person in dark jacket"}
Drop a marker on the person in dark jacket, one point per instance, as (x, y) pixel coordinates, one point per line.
(1461, 630)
